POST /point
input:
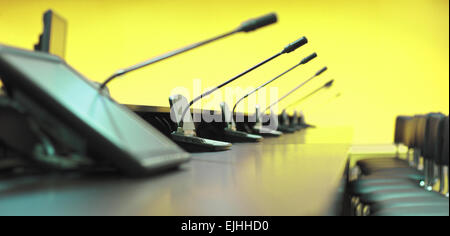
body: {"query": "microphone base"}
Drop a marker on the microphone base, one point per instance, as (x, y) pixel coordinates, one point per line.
(241, 137)
(197, 144)
(296, 127)
(267, 132)
(286, 129)
(305, 126)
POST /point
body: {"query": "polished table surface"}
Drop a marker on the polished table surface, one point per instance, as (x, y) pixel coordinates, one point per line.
(296, 174)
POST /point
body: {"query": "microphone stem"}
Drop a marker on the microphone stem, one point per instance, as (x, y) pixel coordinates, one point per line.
(293, 90)
(263, 85)
(227, 82)
(305, 97)
(165, 56)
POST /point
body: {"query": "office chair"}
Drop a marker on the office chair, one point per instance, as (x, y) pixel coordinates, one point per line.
(413, 138)
(420, 203)
(404, 196)
(388, 175)
(368, 165)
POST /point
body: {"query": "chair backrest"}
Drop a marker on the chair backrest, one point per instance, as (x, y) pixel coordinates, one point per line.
(415, 129)
(433, 138)
(444, 153)
(400, 125)
(409, 133)
(420, 132)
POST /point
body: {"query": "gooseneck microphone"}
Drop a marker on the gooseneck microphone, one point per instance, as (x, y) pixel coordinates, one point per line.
(288, 49)
(329, 84)
(247, 26)
(301, 85)
(304, 61)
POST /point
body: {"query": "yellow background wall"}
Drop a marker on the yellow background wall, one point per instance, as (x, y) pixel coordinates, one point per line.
(388, 57)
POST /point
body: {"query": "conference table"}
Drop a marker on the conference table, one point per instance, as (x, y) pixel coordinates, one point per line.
(303, 173)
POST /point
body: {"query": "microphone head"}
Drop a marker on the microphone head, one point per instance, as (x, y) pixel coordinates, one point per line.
(293, 46)
(321, 71)
(329, 84)
(308, 58)
(254, 24)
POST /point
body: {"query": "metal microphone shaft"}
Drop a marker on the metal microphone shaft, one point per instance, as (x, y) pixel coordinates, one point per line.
(327, 85)
(304, 61)
(247, 26)
(163, 57)
(293, 90)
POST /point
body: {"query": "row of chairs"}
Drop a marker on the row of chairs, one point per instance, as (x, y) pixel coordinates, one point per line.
(404, 187)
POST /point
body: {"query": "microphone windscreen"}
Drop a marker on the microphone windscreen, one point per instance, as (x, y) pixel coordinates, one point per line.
(308, 58)
(321, 71)
(329, 84)
(293, 46)
(254, 24)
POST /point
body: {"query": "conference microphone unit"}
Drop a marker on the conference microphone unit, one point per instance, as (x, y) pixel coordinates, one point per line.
(288, 49)
(304, 61)
(230, 132)
(289, 124)
(285, 125)
(185, 138)
(295, 121)
(258, 127)
(247, 26)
